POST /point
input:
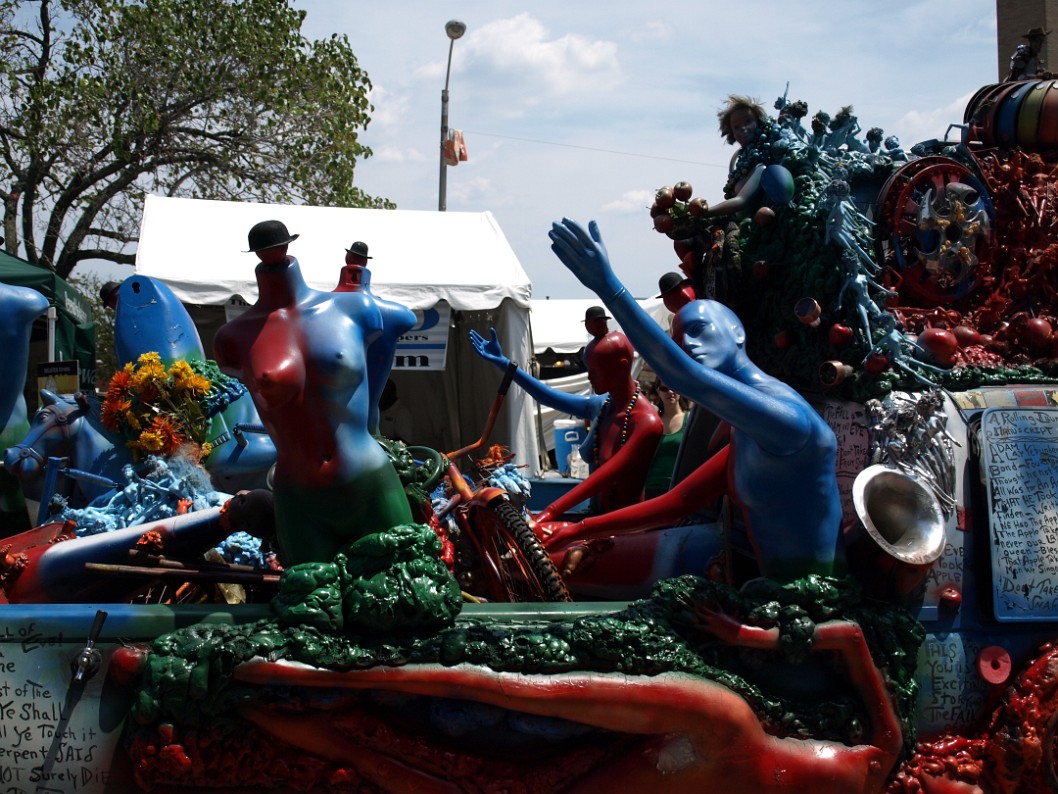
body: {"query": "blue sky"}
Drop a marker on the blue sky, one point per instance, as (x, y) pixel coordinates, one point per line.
(584, 109)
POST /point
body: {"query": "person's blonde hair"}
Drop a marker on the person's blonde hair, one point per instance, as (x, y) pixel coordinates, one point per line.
(739, 102)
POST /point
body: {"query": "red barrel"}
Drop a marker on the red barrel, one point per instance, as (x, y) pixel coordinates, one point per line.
(1021, 113)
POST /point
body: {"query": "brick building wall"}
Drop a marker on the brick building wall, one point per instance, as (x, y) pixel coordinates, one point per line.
(1014, 18)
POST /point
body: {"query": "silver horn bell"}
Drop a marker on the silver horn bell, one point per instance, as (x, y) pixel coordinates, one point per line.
(900, 514)
(897, 535)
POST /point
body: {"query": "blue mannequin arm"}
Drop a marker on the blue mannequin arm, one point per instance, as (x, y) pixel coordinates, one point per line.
(758, 409)
(573, 404)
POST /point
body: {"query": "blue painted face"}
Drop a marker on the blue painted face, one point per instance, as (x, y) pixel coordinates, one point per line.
(704, 329)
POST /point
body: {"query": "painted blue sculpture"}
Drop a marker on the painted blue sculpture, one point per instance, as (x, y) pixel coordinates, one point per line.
(782, 452)
(397, 320)
(68, 426)
(19, 307)
(149, 317)
(302, 354)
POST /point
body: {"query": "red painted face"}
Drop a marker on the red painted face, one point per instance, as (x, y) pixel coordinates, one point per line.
(610, 363)
(275, 255)
(596, 326)
(354, 276)
(676, 299)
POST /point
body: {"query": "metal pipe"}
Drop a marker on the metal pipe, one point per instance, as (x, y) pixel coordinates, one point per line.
(454, 29)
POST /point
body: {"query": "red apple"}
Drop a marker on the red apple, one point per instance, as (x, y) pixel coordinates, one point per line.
(665, 198)
(682, 191)
(940, 344)
(782, 340)
(664, 223)
(760, 269)
(681, 247)
(1036, 334)
(698, 207)
(966, 335)
(765, 216)
(839, 334)
(876, 362)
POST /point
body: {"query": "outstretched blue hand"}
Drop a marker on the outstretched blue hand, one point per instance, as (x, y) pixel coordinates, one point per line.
(583, 253)
(489, 349)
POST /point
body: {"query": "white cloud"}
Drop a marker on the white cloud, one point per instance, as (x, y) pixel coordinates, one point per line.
(921, 125)
(631, 201)
(473, 189)
(520, 50)
(652, 31)
(395, 154)
(389, 109)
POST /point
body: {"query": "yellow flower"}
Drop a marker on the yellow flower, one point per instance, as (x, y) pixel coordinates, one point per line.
(185, 379)
(149, 368)
(159, 410)
(151, 441)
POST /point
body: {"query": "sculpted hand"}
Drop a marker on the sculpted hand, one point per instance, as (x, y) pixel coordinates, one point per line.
(556, 534)
(583, 253)
(489, 349)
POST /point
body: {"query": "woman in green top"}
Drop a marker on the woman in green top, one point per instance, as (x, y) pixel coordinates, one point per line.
(673, 409)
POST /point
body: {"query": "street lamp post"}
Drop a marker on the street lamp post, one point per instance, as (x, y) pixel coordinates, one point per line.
(454, 28)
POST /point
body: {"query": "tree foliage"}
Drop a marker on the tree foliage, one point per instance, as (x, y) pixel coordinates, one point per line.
(103, 101)
(89, 284)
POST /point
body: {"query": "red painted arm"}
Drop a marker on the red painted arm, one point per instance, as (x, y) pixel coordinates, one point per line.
(639, 448)
(697, 490)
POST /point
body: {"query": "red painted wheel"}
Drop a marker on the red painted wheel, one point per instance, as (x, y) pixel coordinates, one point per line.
(515, 564)
(934, 222)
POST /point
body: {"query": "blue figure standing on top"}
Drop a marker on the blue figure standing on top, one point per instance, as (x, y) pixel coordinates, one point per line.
(781, 464)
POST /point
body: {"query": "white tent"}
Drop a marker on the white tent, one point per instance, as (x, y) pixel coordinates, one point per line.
(424, 260)
(558, 327)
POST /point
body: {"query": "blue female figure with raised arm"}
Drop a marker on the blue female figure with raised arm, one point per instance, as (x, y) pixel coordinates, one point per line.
(781, 462)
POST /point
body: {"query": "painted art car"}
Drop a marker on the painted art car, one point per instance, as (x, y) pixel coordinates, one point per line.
(930, 667)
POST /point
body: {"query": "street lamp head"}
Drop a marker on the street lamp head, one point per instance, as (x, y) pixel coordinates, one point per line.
(455, 29)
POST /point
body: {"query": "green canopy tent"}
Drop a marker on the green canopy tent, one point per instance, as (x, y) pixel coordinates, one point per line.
(75, 330)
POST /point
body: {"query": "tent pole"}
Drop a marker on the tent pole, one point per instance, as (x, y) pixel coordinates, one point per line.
(52, 315)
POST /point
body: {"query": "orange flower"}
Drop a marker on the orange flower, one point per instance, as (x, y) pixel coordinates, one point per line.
(113, 409)
(161, 438)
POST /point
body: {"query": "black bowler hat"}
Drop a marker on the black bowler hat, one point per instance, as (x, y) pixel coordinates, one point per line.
(671, 281)
(595, 313)
(269, 234)
(107, 290)
(358, 248)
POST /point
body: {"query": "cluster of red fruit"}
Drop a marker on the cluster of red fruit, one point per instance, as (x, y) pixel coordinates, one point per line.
(673, 204)
(946, 347)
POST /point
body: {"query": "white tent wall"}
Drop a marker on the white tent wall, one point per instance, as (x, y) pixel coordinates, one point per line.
(420, 259)
(558, 326)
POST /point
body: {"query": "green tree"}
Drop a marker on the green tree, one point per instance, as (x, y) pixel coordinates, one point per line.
(103, 101)
(89, 284)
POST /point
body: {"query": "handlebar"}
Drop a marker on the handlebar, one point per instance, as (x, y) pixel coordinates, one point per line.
(494, 412)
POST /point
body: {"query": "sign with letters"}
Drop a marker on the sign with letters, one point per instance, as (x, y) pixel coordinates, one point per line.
(1021, 475)
(425, 347)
